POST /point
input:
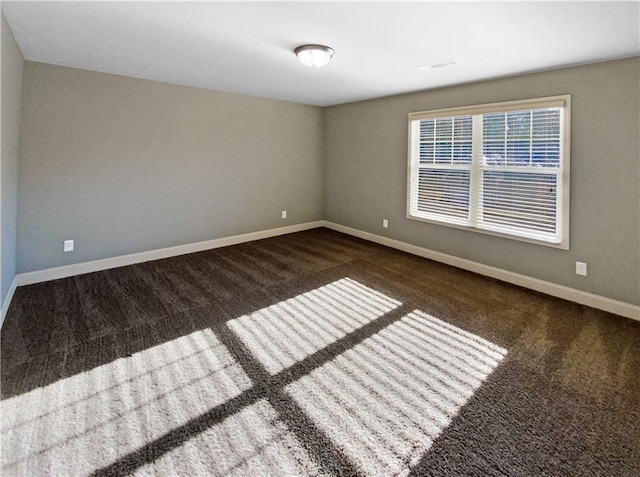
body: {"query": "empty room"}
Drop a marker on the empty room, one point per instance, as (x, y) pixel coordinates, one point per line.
(320, 238)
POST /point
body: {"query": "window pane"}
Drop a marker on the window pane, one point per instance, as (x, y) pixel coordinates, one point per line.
(443, 193)
(446, 140)
(494, 153)
(443, 153)
(426, 153)
(518, 124)
(518, 152)
(462, 152)
(530, 138)
(427, 130)
(525, 201)
(494, 126)
(546, 123)
(444, 129)
(546, 153)
(462, 128)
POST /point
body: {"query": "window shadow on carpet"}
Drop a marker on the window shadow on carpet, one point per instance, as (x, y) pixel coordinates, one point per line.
(341, 379)
(313, 353)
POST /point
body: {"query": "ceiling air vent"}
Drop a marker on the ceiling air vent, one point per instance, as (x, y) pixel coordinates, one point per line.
(440, 64)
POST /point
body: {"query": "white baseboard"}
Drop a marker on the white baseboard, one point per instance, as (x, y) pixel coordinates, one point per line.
(7, 300)
(560, 291)
(124, 260)
(584, 298)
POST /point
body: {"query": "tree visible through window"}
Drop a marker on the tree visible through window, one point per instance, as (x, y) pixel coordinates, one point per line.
(499, 168)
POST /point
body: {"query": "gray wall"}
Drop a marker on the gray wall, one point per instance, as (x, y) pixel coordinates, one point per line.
(366, 172)
(12, 66)
(123, 165)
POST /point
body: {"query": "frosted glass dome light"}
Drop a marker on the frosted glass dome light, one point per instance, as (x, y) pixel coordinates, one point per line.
(314, 56)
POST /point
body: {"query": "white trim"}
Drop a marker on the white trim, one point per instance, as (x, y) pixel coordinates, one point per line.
(7, 300)
(558, 101)
(124, 260)
(560, 291)
(584, 298)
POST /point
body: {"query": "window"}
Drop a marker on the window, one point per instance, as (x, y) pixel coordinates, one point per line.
(500, 168)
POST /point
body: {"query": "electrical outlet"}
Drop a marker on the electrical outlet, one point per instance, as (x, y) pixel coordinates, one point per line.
(581, 268)
(284, 214)
(68, 246)
(385, 223)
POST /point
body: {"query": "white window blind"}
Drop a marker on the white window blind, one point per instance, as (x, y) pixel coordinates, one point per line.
(499, 168)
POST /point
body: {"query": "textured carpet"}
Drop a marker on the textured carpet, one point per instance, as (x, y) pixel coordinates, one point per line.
(313, 354)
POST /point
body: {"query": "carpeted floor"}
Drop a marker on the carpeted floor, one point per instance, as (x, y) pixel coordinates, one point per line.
(313, 354)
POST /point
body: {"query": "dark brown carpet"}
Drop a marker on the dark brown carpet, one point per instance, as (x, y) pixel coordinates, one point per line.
(313, 354)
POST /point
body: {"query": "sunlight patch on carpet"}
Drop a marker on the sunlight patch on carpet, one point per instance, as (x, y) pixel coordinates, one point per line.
(385, 401)
(287, 332)
(253, 441)
(89, 420)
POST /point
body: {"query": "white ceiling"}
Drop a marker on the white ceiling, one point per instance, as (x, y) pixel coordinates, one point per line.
(248, 47)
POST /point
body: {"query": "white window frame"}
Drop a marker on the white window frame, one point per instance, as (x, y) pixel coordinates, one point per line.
(562, 101)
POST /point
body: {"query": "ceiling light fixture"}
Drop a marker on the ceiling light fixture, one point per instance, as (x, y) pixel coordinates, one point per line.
(314, 56)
